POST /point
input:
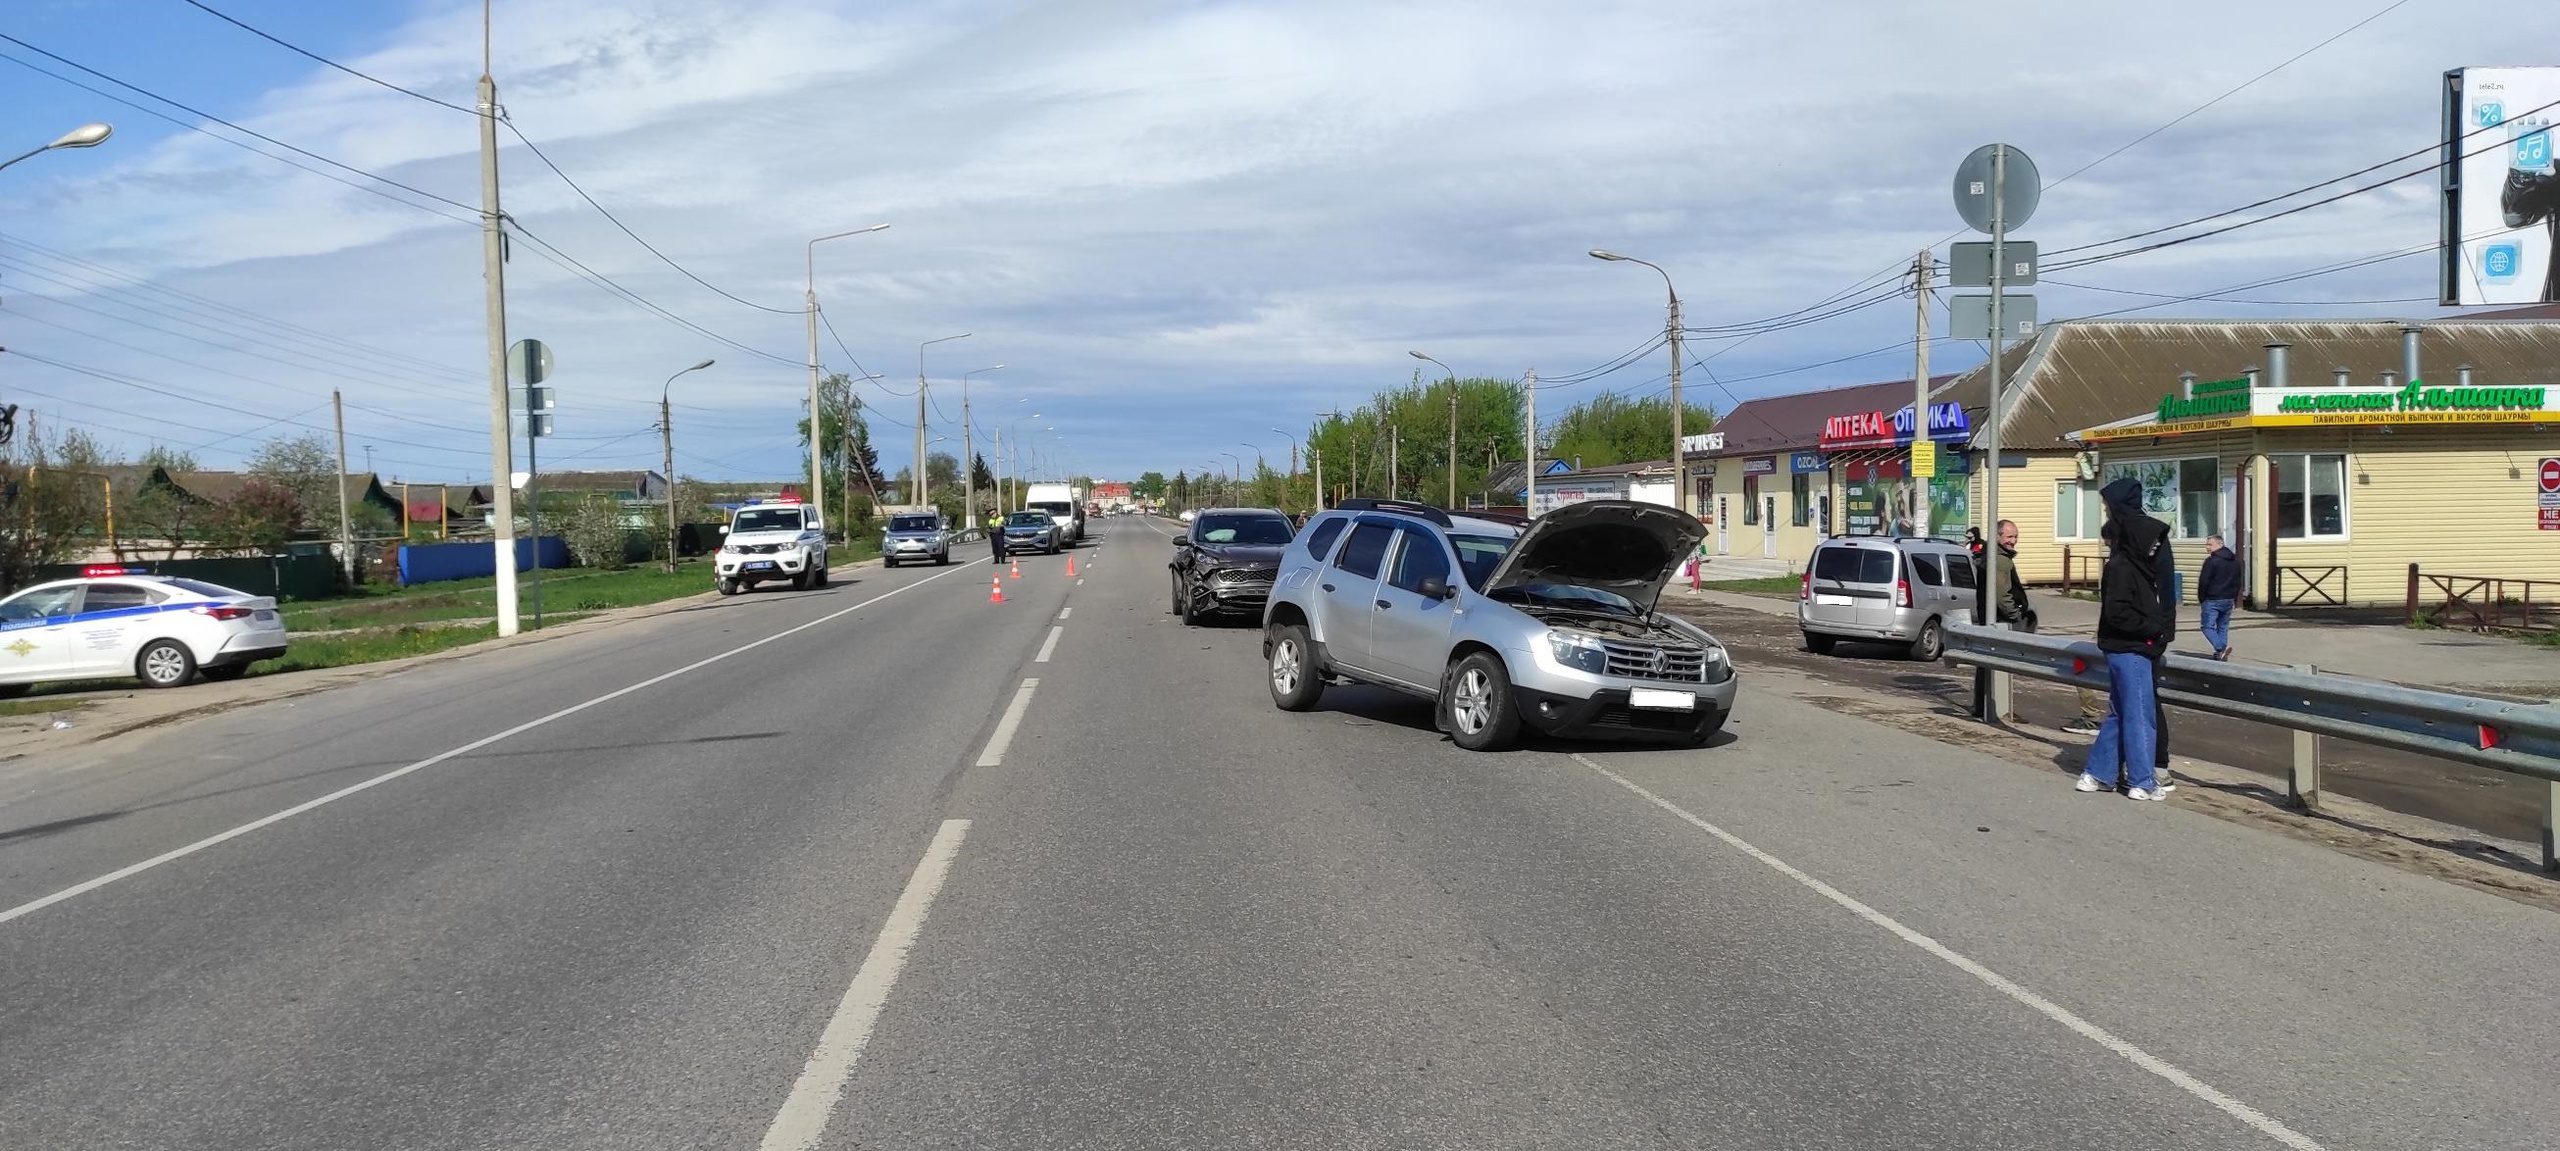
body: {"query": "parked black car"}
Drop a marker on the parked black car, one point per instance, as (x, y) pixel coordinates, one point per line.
(1225, 564)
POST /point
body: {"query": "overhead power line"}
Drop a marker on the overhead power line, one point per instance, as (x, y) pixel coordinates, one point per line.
(314, 56)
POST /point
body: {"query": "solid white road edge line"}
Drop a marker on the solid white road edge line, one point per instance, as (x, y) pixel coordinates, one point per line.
(132, 869)
(802, 1122)
(1064, 612)
(1005, 724)
(1048, 645)
(2266, 1125)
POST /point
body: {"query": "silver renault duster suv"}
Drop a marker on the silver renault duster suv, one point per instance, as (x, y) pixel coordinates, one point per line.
(1552, 627)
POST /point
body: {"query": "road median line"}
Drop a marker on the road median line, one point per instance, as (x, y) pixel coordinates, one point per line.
(802, 1122)
(1048, 645)
(1007, 724)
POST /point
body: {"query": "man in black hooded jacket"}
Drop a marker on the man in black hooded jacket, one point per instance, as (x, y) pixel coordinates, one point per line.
(2137, 617)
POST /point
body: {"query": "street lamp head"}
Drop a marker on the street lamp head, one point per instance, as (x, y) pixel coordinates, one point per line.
(700, 366)
(1605, 254)
(84, 136)
(1417, 355)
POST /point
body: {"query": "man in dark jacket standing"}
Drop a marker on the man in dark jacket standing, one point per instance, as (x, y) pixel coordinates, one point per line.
(2137, 616)
(2218, 592)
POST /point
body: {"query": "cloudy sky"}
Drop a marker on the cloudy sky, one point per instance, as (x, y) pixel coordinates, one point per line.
(1178, 224)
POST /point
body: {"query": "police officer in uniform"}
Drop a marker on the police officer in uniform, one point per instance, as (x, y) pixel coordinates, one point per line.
(995, 536)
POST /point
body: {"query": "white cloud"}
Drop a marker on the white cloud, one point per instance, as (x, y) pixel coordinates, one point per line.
(1174, 220)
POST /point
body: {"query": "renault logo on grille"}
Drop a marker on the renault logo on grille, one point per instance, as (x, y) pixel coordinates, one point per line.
(1653, 660)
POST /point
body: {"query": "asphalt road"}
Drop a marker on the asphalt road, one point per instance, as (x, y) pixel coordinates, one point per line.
(864, 884)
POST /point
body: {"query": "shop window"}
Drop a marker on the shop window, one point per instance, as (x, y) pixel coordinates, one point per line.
(2199, 498)
(2311, 496)
(1800, 486)
(2077, 514)
(1750, 499)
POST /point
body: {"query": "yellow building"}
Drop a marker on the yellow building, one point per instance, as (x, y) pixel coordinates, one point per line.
(2331, 455)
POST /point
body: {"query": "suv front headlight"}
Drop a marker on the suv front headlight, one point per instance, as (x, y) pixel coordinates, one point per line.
(1580, 652)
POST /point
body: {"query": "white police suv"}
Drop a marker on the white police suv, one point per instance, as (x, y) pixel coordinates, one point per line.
(115, 622)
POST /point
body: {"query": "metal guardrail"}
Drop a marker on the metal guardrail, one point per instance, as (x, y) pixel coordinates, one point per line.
(2516, 738)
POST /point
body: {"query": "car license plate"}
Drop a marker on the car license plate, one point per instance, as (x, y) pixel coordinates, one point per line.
(760, 566)
(1820, 600)
(1653, 700)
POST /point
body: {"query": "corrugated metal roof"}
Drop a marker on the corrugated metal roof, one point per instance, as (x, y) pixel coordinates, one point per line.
(2083, 373)
(1792, 422)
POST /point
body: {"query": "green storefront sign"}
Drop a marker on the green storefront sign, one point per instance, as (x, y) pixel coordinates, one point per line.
(2417, 397)
(2217, 398)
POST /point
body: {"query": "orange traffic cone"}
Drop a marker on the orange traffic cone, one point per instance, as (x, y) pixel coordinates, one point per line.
(995, 591)
(1071, 565)
(1017, 569)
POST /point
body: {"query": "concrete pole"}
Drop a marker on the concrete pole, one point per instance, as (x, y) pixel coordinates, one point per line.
(346, 531)
(817, 473)
(502, 464)
(1922, 269)
(667, 442)
(1679, 409)
(1530, 498)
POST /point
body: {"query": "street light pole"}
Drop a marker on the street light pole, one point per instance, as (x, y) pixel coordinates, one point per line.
(667, 441)
(493, 264)
(817, 470)
(84, 136)
(922, 488)
(969, 448)
(1453, 427)
(1679, 454)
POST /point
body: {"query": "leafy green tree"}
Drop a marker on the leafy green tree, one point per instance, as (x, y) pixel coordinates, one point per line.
(306, 467)
(594, 531)
(842, 432)
(51, 504)
(256, 520)
(1149, 485)
(1611, 429)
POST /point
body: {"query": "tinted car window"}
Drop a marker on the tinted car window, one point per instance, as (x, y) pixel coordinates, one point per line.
(1321, 541)
(1479, 555)
(205, 589)
(768, 520)
(914, 523)
(1270, 531)
(1927, 566)
(1854, 565)
(38, 604)
(1962, 570)
(110, 596)
(1368, 545)
(1028, 520)
(1422, 558)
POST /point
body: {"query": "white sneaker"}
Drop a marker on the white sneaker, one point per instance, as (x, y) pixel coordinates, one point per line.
(2088, 782)
(2138, 793)
(2164, 785)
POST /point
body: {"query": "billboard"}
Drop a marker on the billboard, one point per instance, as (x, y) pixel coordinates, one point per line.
(2501, 213)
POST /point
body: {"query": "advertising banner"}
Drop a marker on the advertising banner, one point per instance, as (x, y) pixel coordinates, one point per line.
(1555, 495)
(2501, 190)
(1884, 501)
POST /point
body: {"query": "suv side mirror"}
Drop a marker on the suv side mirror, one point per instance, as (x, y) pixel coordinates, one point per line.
(1437, 589)
(1182, 541)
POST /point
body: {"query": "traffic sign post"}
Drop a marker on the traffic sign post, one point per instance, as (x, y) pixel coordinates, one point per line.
(528, 365)
(1996, 188)
(2548, 513)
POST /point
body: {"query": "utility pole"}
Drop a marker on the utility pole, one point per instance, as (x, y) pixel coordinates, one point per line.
(817, 474)
(1679, 409)
(346, 532)
(1922, 270)
(667, 442)
(1531, 473)
(493, 259)
(1394, 462)
(1453, 444)
(918, 485)
(1315, 460)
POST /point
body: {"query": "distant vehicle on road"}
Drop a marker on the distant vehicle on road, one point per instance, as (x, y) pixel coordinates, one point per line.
(1225, 564)
(1552, 627)
(767, 542)
(1030, 531)
(1187, 515)
(915, 537)
(1063, 503)
(1889, 590)
(115, 622)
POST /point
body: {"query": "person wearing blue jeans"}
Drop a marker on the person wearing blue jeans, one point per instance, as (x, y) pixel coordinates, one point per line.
(2218, 590)
(2137, 617)
(2125, 736)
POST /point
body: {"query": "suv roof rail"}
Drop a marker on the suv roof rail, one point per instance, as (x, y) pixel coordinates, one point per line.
(1403, 507)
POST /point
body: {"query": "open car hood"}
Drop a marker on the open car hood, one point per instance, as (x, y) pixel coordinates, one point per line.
(1624, 547)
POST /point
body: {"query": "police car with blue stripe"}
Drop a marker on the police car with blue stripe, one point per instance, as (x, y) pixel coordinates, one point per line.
(115, 622)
